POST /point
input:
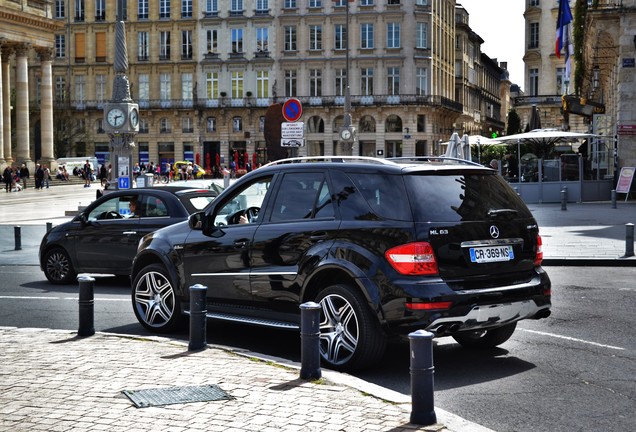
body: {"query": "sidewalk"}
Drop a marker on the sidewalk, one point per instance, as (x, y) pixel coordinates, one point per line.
(56, 381)
(585, 234)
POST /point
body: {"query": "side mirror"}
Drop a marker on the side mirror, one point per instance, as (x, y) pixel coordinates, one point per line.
(195, 221)
(82, 219)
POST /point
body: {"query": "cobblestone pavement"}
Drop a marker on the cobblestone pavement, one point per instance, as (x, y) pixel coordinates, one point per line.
(53, 380)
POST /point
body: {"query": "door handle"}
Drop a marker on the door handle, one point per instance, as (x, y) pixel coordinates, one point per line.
(240, 244)
(130, 232)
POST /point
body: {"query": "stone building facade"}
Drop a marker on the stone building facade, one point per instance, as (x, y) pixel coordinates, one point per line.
(205, 72)
(26, 52)
(609, 58)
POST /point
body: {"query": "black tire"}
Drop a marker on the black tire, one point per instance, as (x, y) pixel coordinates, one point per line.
(155, 300)
(484, 339)
(58, 267)
(350, 335)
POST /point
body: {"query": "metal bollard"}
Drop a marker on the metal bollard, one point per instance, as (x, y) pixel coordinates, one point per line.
(49, 226)
(198, 312)
(564, 198)
(613, 198)
(310, 341)
(422, 371)
(17, 234)
(86, 306)
(629, 239)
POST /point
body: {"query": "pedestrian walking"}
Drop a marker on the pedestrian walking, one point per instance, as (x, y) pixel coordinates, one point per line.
(24, 175)
(103, 174)
(7, 178)
(88, 173)
(47, 175)
(39, 177)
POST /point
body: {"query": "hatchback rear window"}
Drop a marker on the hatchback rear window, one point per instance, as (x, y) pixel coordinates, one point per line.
(465, 196)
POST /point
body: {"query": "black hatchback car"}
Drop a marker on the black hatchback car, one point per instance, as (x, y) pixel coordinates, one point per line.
(386, 247)
(103, 238)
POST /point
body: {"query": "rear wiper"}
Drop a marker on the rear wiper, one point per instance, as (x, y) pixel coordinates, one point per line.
(499, 212)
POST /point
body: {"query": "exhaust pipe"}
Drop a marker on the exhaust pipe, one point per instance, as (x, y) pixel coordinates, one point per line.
(544, 313)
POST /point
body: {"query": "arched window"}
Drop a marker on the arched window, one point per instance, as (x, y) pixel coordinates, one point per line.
(338, 123)
(393, 124)
(315, 125)
(367, 124)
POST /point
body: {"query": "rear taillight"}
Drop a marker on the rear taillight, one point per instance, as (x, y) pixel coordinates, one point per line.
(538, 257)
(416, 259)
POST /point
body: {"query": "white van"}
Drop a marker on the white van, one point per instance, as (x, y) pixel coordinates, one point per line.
(77, 162)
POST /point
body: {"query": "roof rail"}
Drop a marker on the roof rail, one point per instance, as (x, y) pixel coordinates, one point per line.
(431, 159)
(338, 159)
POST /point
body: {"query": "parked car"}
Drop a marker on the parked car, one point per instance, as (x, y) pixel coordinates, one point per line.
(103, 238)
(386, 247)
(179, 165)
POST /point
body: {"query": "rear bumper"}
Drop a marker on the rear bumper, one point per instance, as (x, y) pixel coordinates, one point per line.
(471, 309)
(488, 316)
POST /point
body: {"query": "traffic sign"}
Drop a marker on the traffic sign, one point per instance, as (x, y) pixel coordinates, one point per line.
(292, 142)
(292, 130)
(292, 110)
(123, 183)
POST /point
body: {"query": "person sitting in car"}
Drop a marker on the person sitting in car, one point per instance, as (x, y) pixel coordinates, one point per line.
(134, 210)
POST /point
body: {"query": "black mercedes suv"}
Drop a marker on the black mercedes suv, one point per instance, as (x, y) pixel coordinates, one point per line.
(385, 246)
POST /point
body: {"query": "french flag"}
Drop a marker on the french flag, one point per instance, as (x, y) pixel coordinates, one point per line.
(563, 28)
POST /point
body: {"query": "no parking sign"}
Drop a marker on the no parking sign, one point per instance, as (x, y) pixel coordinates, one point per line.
(292, 110)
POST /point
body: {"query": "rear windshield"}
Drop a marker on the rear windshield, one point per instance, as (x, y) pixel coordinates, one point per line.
(456, 197)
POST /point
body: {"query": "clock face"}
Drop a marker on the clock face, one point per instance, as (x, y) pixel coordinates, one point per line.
(345, 134)
(116, 117)
(134, 117)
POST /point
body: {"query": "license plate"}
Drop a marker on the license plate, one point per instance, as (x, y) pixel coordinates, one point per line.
(491, 254)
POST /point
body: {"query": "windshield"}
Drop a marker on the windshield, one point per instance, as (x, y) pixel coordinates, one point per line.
(462, 196)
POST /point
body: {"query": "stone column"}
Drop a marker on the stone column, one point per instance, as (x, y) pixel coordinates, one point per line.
(23, 146)
(6, 104)
(2, 165)
(46, 105)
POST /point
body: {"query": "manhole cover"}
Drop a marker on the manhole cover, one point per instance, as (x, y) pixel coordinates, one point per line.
(175, 395)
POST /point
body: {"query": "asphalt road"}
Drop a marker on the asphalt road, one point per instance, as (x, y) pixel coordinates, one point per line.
(575, 371)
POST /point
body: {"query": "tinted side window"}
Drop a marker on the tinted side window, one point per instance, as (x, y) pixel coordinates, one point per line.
(153, 207)
(298, 196)
(369, 196)
(455, 197)
(114, 208)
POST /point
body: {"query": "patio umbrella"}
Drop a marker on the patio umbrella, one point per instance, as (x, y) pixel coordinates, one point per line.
(246, 159)
(218, 159)
(236, 158)
(453, 149)
(254, 160)
(481, 140)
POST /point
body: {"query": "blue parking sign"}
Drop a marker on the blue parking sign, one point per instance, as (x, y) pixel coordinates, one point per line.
(124, 183)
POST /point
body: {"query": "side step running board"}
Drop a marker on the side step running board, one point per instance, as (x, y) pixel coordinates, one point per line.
(262, 322)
